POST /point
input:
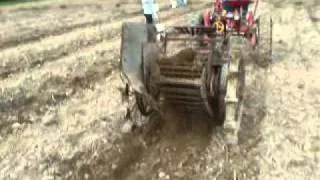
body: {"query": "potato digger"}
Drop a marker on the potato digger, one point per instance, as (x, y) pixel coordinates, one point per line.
(209, 71)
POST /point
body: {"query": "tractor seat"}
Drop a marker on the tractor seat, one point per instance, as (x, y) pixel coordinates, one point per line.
(231, 5)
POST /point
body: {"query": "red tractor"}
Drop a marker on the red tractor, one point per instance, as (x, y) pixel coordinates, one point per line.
(234, 17)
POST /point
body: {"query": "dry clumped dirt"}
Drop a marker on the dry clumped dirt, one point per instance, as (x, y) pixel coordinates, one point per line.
(63, 117)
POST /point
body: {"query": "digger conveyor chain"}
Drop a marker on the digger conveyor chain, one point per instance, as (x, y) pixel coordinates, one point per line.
(180, 84)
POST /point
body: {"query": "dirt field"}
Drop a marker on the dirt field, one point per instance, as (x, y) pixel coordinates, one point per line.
(62, 116)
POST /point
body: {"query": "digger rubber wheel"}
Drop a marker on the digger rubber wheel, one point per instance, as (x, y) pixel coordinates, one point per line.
(204, 92)
(221, 103)
(143, 106)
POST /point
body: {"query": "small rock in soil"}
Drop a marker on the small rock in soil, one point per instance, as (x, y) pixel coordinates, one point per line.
(48, 178)
(161, 174)
(179, 174)
(49, 119)
(126, 128)
(104, 124)
(113, 166)
(16, 125)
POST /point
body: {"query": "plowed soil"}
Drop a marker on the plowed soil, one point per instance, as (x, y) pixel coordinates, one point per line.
(62, 114)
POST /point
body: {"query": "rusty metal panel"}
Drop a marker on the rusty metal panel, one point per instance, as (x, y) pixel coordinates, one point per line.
(132, 38)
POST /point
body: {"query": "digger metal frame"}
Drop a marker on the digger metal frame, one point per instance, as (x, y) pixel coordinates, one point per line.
(224, 77)
(211, 64)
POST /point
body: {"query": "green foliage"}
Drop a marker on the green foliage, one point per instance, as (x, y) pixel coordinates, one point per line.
(16, 2)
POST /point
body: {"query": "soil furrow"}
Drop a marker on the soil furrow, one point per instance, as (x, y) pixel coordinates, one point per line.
(59, 27)
(83, 123)
(28, 86)
(68, 116)
(41, 32)
(81, 132)
(53, 84)
(226, 164)
(19, 12)
(28, 56)
(33, 18)
(58, 4)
